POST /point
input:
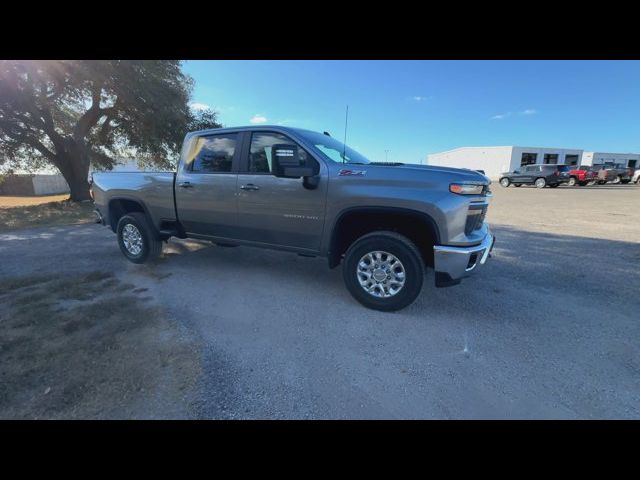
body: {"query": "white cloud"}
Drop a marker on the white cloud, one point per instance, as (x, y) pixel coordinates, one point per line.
(419, 98)
(257, 118)
(199, 106)
(501, 116)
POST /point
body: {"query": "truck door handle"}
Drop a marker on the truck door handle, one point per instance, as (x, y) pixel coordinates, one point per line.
(186, 185)
(249, 186)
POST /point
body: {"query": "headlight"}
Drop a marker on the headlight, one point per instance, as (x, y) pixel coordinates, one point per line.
(466, 189)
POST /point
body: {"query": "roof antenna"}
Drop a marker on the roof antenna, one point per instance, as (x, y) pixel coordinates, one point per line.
(344, 150)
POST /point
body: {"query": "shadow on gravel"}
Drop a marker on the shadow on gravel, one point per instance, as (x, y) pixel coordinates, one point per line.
(87, 346)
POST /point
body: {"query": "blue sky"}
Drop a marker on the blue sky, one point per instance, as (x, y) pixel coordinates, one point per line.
(413, 108)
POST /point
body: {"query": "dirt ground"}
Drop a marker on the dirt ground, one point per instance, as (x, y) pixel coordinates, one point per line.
(547, 329)
(27, 212)
(87, 346)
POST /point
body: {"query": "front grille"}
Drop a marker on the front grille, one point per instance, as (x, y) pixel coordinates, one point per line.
(475, 218)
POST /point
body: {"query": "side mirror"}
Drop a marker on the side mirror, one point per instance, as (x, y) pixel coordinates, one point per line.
(286, 162)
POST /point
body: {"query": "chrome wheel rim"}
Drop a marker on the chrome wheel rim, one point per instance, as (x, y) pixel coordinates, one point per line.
(540, 183)
(504, 182)
(132, 239)
(381, 274)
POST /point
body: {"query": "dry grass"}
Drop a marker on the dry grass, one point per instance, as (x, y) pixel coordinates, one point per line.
(62, 212)
(86, 346)
(10, 202)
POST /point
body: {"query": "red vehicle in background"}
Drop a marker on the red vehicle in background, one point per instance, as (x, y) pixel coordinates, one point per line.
(582, 176)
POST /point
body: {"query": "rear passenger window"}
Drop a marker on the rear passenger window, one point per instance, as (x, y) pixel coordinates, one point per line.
(214, 153)
(260, 153)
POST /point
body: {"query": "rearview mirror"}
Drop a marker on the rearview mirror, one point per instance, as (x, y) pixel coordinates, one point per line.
(286, 162)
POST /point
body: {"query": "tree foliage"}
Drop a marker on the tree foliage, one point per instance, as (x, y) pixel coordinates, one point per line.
(75, 113)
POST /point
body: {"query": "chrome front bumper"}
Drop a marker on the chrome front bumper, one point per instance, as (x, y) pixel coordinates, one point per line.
(452, 264)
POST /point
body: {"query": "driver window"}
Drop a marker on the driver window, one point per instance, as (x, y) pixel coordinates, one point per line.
(260, 152)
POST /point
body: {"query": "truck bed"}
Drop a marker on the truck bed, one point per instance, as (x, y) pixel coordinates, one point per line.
(152, 189)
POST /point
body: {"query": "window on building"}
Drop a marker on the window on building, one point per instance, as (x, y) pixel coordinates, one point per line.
(571, 160)
(550, 158)
(528, 159)
(632, 163)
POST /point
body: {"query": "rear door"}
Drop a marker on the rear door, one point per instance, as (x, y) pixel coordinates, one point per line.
(206, 186)
(278, 211)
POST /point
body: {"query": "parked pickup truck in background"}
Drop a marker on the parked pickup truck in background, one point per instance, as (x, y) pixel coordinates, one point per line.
(305, 192)
(617, 173)
(582, 176)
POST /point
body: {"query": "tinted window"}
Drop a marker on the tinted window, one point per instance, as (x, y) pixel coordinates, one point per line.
(550, 158)
(260, 153)
(564, 168)
(214, 153)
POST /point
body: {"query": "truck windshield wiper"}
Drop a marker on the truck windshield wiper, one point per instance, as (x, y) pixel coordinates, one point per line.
(390, 164)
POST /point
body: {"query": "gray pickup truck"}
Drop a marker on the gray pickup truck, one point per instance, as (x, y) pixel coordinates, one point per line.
(305, 192)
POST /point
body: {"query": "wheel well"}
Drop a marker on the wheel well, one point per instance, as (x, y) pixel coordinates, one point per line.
(416, 226)
(120, 207)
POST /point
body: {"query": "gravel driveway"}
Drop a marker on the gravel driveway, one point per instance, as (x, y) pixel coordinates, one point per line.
(548, 329)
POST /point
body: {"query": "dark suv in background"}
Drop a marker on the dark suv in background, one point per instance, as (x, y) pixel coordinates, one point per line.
(538, 175)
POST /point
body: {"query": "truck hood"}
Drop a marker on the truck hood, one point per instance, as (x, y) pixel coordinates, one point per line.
(412, 170)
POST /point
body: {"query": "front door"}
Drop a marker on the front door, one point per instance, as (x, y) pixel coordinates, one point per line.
(206, 186)
(278, 211)
(524, 176)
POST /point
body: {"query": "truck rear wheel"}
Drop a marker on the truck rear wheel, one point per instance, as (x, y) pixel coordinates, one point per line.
(136, 239)
(573, 181)
(505, 182)
(383, 271)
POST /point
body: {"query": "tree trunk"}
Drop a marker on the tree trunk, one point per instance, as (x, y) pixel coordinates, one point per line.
(75, 170)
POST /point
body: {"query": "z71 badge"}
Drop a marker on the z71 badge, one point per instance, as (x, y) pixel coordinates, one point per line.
(348, 173)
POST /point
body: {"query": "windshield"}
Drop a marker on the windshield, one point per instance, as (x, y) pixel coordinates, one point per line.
(333, 149)
(564, 168)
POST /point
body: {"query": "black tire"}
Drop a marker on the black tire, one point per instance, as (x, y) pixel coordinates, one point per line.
(624, 182)
(404, 250)
(573, 181)
(505, 182)
(151, 243)
(601, 182)
(540, 184)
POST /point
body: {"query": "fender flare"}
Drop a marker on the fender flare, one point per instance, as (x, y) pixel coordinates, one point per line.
(333, 256)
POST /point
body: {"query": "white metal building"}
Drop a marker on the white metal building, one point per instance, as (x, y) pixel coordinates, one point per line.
(598, 158)
(496, 160)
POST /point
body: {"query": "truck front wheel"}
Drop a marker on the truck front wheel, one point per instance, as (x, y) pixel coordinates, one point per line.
(136, 239)
(383, 271)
